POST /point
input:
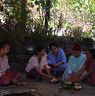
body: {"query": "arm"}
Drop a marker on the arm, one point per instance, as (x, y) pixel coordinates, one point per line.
(5, 64)
(46, 66)
(41, 73)
(59, 63)
(91, 67)
(76, 76)
(81, 71)
(82, 66)
(62, 57)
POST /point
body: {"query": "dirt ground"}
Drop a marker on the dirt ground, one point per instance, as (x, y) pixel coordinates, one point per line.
(45, 88)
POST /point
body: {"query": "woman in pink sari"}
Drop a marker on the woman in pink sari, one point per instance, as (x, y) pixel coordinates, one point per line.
(7, 76)
(90, 66)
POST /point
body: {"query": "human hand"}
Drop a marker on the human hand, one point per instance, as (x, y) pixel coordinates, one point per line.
(56, 65)
(73, 78)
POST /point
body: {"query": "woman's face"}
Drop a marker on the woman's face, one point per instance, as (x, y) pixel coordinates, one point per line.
(54, 50)
(42, 52)
(76, 53)
(5, 50)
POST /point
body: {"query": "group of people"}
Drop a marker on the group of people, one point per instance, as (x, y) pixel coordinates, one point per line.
(46, 65)
(53, 66)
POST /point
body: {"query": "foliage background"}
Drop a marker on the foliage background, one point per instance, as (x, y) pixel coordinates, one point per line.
(26, 23)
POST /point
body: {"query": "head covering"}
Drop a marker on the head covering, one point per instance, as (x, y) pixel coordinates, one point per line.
(77, 47)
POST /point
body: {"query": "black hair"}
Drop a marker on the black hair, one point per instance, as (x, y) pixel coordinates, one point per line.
(53, 44)
(39, 48)
(92, 51)
(2, 44)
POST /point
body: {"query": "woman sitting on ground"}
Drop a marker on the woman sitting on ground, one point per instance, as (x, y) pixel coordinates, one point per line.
(57, 61)
(37, 66)
(76, 65)
(6, 75)
(90, 66)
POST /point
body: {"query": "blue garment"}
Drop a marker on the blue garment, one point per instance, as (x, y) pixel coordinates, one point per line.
(74, 65)
(59, 58)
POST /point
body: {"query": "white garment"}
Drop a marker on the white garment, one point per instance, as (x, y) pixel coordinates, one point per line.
(3, 65)
(33, 62)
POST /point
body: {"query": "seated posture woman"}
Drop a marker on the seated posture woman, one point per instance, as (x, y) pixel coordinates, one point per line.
(37, 66)
(90, 66)
(57, 60)
(6, 75)
(76, 65)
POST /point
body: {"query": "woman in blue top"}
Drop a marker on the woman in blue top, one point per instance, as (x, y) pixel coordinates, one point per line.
(57, 60)
(76, 65)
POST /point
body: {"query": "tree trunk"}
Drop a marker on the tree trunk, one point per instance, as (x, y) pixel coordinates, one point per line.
(47, 15)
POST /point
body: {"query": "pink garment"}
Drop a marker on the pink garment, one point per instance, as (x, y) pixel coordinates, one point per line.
(6, 76)
(9, 76)
(3, 65)
(34, 62)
